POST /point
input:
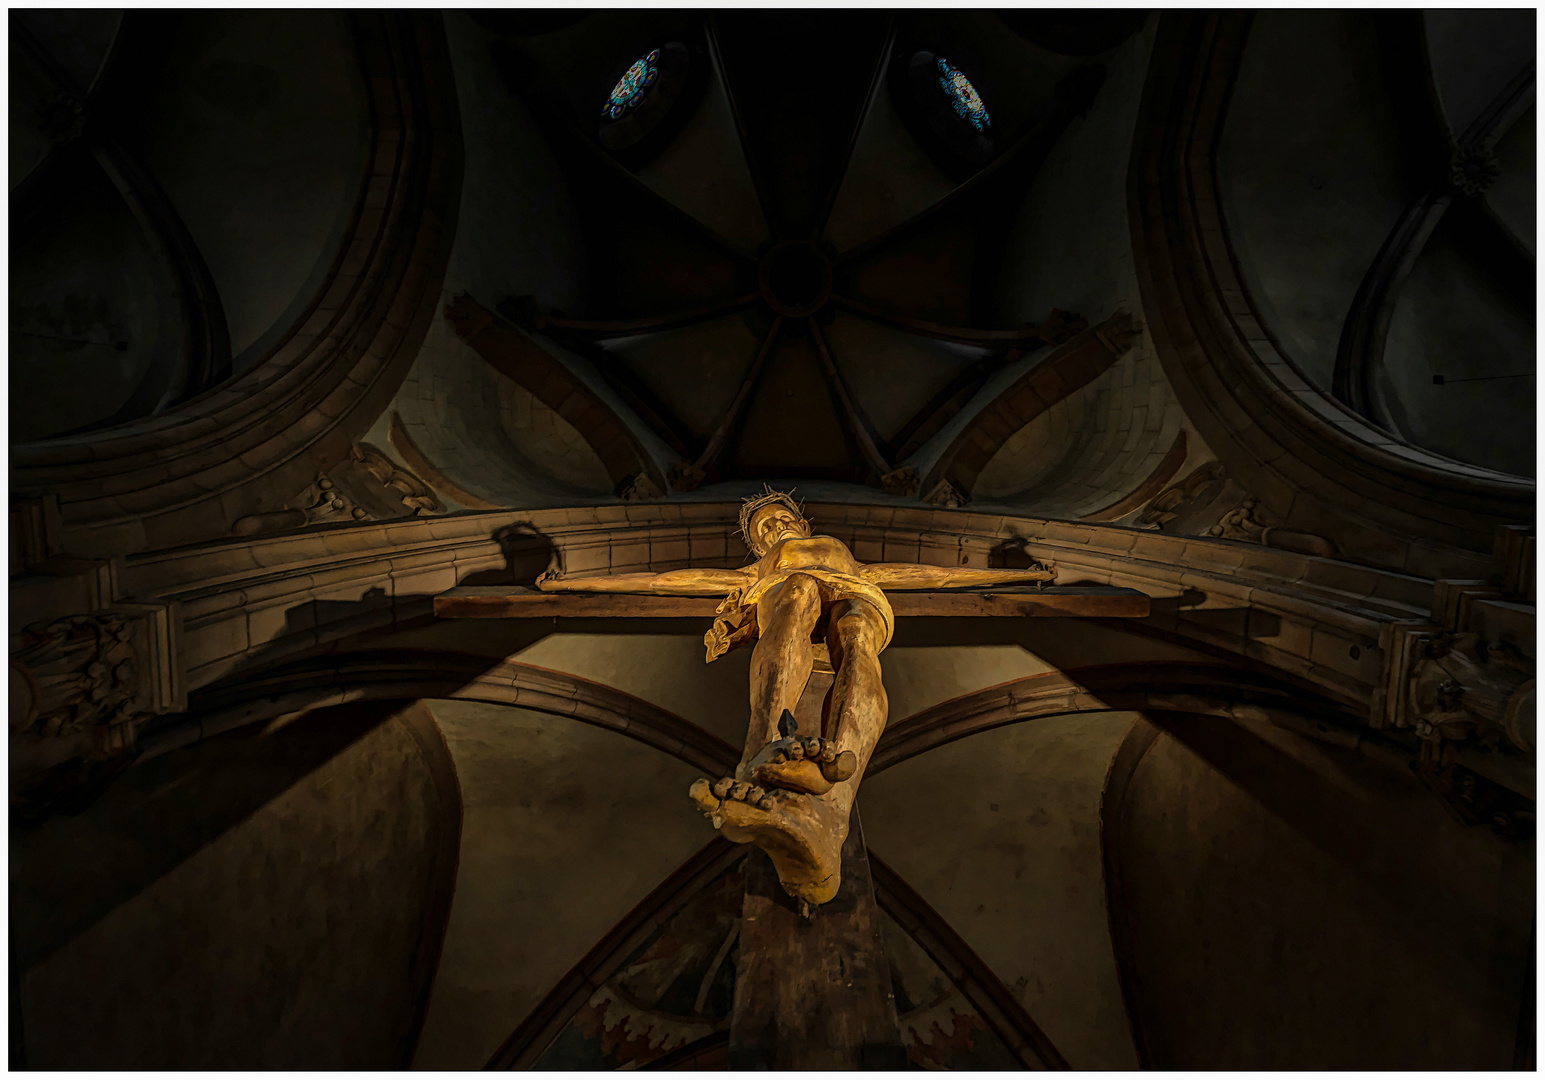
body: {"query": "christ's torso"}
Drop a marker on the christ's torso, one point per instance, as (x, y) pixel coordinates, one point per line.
(807, 553)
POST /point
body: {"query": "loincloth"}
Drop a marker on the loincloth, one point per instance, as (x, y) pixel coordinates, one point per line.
(735, 622)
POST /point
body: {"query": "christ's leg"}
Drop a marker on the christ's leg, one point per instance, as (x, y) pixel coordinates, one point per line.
(804, 833)
(781, 661)
(859, 707)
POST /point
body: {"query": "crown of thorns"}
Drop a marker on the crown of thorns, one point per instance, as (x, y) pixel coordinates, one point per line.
(749, 508)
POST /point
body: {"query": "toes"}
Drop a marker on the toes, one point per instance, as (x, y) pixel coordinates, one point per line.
(778, 757)
(767, 802)
(721, 788)
(739, 790)
(828, 752)
(797, 751)
(755, 794)
(812, 747)
(843, 766)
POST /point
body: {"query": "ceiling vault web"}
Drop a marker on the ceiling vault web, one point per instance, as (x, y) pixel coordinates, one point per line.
(797, 276)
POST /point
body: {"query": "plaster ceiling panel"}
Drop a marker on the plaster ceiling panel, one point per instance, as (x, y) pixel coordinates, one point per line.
(1475, 53)
(971, 656)
(925, 274)
(1068, 243)
(1308, 171)
(1091, 448)
(792, 427)
(217, 905)
(888, 179)
(95, 323)
(1456, 319)
(518, 228)
(799, 79)
(703, 170)
(29, 140)
(565, 828)
(643, 265)
(1044, 448)
(999, 832)
(487, 435)
(1260, 868)
(893, 374)
(79, 43)
(917, 678)
(259, 135)
(667, 670)
(694, 371)
(1512, 197)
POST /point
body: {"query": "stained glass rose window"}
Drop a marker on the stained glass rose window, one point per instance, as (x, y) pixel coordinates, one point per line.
(963, 97)
(630, 89)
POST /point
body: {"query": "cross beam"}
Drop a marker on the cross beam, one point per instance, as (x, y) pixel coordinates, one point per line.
(1053, 601)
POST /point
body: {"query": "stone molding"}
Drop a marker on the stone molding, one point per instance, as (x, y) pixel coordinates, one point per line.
(248, 446)
(1196, 688)
(274, 599)
(1322, 468)
(409, 676)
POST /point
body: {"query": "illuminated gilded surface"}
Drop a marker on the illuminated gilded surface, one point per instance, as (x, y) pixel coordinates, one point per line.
(804, 596)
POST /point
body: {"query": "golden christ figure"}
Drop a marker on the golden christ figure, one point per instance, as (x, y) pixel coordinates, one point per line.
(791, 796)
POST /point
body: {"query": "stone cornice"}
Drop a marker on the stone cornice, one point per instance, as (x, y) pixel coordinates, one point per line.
(252, 604)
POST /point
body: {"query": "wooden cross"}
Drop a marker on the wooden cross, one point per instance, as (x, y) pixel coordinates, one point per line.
(814, 988)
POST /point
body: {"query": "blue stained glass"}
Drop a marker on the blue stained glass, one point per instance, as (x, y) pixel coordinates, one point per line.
(963, 97)
(630, 89)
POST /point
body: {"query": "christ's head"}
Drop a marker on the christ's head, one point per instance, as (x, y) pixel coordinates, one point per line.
(769, 518)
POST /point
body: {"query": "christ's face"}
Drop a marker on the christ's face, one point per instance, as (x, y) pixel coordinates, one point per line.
(776, 522)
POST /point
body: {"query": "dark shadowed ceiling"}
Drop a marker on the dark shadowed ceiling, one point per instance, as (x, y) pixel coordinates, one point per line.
(790, 260)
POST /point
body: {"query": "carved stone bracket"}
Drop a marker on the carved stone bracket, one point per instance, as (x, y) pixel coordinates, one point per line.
(1463, 684)
(82, 686)
(1253, 523)
(945, 494)
(367, 486)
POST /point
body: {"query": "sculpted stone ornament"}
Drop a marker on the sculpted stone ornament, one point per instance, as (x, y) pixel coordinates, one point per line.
(793, 791)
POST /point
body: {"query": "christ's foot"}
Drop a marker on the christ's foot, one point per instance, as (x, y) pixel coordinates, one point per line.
(807, 765)
(798, 832)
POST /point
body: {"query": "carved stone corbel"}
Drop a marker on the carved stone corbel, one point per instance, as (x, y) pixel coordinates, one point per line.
(368, 486)
(1253, 523)
(82, 687)
(945, 494)
(638, 487)
(902, 481)
(416, 495)
(1463, 684)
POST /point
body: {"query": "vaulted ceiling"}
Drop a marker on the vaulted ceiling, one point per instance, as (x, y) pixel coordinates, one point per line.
(791, 261)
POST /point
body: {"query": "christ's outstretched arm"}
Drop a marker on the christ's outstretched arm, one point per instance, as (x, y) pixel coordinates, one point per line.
(905, 576)
(690, 582)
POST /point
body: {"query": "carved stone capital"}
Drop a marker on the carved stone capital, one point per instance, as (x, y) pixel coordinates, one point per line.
(82, 686)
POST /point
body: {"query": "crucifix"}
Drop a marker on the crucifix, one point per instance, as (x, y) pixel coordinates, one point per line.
(804, 597)
(814, 988)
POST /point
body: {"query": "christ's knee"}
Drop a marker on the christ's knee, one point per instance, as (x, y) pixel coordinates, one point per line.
(857, 636)
(797, 601)
(800, 591)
